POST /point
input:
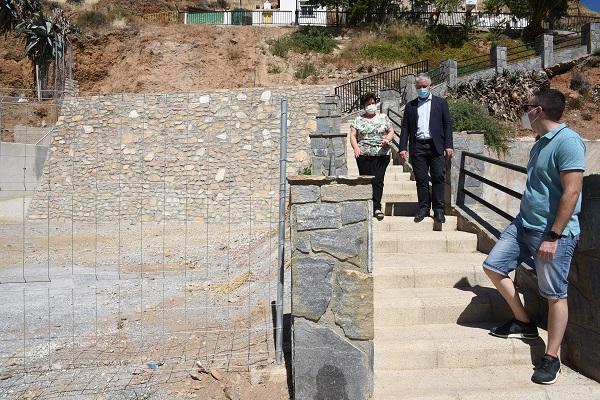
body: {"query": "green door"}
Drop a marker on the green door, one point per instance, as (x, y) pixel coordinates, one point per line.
(206, 18)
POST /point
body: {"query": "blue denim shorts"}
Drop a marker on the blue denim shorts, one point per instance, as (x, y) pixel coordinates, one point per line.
(518, 244)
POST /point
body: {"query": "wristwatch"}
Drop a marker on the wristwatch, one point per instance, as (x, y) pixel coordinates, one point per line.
(553, 236)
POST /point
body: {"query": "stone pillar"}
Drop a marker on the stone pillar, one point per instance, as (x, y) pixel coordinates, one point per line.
(407, 85)
(473, 143)
(332, 287)
(328, 143)
(390, 99)
(591, 36)
(545, 48)
(499, 60)
(583, 331)
(450, 71)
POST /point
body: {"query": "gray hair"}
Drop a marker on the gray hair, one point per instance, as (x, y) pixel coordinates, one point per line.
(423, 76)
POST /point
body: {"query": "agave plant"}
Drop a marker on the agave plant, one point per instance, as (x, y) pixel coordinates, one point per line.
(44, 44)
(8, 16)
(13, 12)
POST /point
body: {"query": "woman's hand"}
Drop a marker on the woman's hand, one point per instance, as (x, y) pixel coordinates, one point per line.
(357, 152)
(385, 142)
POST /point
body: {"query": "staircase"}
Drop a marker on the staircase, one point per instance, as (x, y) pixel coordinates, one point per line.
(433, 308)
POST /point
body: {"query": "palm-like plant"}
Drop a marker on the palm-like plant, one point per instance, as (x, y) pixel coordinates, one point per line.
(44, 44)
(8, 16)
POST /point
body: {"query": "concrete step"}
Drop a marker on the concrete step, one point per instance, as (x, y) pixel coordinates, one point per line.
(426, 242)
(405, 196)
(487, 383)
(401, 224)
(400, 209)
(395, 186)
(451, 345)
(428, 271)
(418, 306)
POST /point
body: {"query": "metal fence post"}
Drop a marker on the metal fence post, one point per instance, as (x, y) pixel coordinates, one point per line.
(281, 248)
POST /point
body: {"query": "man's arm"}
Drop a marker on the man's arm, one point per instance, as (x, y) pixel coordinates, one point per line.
(404, 130)
(571, 182)
(447, 126)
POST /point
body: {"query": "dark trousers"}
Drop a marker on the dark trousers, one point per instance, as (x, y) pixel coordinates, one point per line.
(375, 166)
(427, 162)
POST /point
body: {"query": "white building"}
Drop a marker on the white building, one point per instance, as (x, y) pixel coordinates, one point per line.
(307, 14)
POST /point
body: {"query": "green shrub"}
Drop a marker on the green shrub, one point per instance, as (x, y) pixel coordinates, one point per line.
(306, 70)
(597, 52)
(472, 117)
(91, 19)
(75, 2)
(306, 170)
(304, 41)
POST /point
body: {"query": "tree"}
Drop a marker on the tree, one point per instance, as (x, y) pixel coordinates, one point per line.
(538, 11)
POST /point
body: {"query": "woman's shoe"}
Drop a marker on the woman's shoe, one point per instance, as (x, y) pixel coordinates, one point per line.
(378, 214)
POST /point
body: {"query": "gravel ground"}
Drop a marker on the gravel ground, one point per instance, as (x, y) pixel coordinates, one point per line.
(129, 309)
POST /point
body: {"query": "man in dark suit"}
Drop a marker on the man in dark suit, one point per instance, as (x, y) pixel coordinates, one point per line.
(426, 135)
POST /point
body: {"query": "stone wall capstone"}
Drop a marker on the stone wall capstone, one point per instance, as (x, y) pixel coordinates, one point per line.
(175, 157)
(332, 288)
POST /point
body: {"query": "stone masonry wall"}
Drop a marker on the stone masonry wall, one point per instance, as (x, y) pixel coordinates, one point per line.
(332, 288)
(177, 157)
(583, 332)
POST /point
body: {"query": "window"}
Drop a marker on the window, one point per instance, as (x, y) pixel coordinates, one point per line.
(306, 10)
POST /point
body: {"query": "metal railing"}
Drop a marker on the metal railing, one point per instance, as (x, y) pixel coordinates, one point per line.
(351, 92)
(474, 64)
(521, 52)
(165, 17)
(464, 173)
(574, 39)
(311, 16)
(437, 76)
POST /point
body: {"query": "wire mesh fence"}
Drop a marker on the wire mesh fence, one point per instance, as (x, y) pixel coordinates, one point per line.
(133, 241)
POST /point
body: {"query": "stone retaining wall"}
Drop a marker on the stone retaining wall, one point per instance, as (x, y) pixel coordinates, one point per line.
(583, 332)
(177, 157)
(332, 288)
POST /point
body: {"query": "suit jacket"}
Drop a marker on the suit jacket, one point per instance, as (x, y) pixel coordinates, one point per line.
(440, 126)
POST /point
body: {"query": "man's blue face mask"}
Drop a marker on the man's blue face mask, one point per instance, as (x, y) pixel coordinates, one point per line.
(423, 93)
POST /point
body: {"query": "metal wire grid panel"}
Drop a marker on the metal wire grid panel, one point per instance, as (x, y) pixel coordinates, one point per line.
(135, 248)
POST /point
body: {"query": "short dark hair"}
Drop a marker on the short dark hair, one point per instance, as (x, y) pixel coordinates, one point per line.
(552, 102)
(366, 97)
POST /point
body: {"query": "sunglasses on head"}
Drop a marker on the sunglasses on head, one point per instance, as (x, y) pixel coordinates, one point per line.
(528, 107)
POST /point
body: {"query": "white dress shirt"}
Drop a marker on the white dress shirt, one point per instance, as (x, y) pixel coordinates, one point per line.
(424, 110)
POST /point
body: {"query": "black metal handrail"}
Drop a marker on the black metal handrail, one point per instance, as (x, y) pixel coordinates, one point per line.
(474, 64)
(574, 39)
(521, 52)
(351, 92)
(463, 191)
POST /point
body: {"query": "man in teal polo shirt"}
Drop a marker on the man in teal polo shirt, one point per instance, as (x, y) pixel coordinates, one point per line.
(547, 228)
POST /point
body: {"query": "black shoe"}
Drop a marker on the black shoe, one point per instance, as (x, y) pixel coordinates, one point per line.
(379, 215)
(515, 329)
(438, 216)
(547, 372)
(421, 214)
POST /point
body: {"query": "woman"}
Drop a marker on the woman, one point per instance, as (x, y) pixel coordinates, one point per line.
(370, 136)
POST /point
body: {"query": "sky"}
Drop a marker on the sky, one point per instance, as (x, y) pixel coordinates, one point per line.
(592, 4)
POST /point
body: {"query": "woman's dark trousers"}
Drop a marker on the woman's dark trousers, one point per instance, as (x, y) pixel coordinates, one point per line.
(375, 166)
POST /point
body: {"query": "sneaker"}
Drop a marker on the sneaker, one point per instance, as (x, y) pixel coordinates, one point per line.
(515, 329)
(547, 372)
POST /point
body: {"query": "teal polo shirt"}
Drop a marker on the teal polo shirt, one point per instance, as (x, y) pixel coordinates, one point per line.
(557, 151)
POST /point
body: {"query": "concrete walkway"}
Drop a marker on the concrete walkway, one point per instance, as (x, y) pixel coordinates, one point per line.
(433, 309)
